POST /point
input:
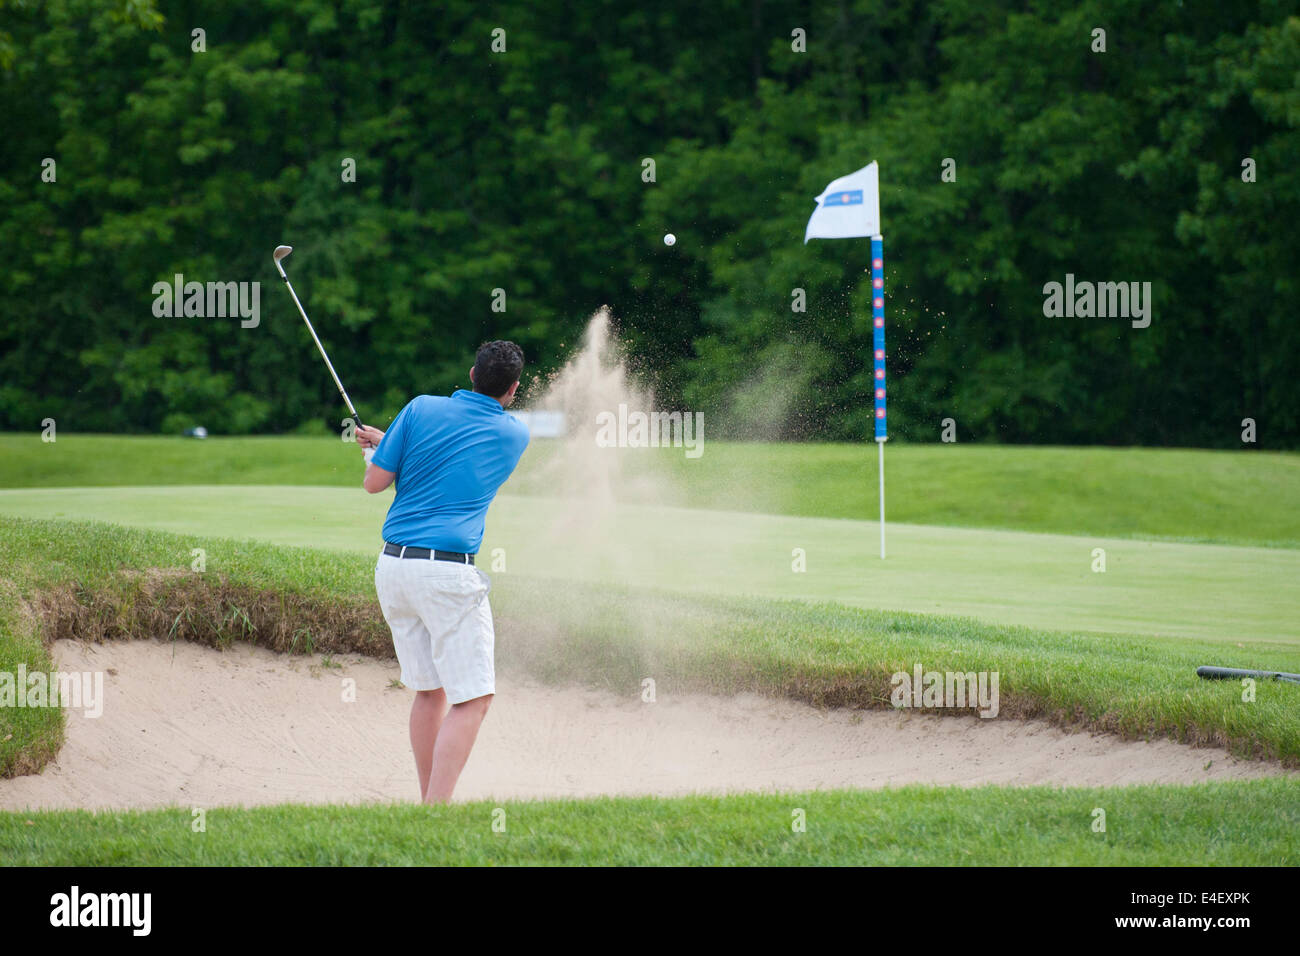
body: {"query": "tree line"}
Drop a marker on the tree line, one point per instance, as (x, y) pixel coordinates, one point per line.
(451, 172)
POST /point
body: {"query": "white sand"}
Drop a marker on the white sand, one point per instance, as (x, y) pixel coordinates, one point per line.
(186, 725)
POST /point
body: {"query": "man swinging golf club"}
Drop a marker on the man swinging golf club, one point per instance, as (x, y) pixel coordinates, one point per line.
(448, 456)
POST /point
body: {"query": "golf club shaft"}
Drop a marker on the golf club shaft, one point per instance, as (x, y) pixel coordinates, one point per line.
(328, 364)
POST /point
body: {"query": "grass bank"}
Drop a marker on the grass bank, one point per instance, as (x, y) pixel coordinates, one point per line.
(104, 582)
(1160, 589)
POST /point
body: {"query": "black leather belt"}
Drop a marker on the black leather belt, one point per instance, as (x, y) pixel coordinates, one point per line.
(401, 551)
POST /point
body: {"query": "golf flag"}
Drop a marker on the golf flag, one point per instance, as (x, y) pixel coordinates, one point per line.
(848, 208)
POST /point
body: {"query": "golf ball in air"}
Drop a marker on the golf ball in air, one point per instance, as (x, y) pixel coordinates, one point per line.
(669, 239)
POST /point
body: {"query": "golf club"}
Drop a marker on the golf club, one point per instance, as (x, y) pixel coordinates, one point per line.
(278, 255)
(1232, 673)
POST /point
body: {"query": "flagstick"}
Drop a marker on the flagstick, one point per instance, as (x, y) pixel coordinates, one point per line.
(880, 443)
(849, 208)
(878, 364)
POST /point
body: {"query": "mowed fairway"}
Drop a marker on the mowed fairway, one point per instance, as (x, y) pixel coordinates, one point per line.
(1238, 497)
(1155, 588)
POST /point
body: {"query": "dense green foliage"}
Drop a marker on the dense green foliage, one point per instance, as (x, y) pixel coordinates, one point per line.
(522, 171)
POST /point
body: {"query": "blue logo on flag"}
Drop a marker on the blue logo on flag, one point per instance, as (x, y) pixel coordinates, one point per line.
(851, 197)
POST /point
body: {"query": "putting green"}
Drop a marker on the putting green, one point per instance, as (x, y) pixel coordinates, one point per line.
(1162, 589)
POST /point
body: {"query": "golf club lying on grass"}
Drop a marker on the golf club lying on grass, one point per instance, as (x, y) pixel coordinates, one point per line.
(1228, 673)
(278, 255)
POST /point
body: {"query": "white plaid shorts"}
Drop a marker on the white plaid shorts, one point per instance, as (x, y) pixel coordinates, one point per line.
(441, 621)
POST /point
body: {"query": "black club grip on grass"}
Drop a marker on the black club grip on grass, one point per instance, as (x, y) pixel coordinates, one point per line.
(1229, 673)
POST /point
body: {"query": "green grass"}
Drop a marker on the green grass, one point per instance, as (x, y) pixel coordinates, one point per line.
(614, 636)
(29, 737)
(1230, 594)
(1239, 497)
(1254, 823)
(702, 596)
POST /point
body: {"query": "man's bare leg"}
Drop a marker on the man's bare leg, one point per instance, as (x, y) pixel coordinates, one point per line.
(427, 712)
(451, 750)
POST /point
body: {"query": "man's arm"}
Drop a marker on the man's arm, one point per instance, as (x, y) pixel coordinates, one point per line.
(377, 479)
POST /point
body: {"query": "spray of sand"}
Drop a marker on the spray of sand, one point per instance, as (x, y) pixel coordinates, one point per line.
(597, 479)
(605, 504)
(591, 479)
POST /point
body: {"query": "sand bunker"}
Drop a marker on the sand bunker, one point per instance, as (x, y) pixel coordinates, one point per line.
(186, 725)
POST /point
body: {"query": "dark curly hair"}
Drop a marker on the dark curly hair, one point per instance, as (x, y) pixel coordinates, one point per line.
(497, 366)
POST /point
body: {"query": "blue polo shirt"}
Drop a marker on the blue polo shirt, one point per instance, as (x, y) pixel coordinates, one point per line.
(450, 456)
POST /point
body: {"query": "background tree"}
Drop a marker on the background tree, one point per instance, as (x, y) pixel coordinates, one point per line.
(521, 170)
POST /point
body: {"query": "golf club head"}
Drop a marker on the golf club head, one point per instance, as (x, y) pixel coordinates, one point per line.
(280, 253)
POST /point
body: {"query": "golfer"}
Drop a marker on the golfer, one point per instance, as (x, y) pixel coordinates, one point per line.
(448, 456)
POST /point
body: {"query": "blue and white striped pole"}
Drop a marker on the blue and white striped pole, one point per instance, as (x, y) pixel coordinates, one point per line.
(878, 353)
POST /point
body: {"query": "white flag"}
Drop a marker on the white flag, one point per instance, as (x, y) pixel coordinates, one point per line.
(848, 207)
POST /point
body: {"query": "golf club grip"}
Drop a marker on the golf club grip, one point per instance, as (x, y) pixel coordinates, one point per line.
(1229, 673)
